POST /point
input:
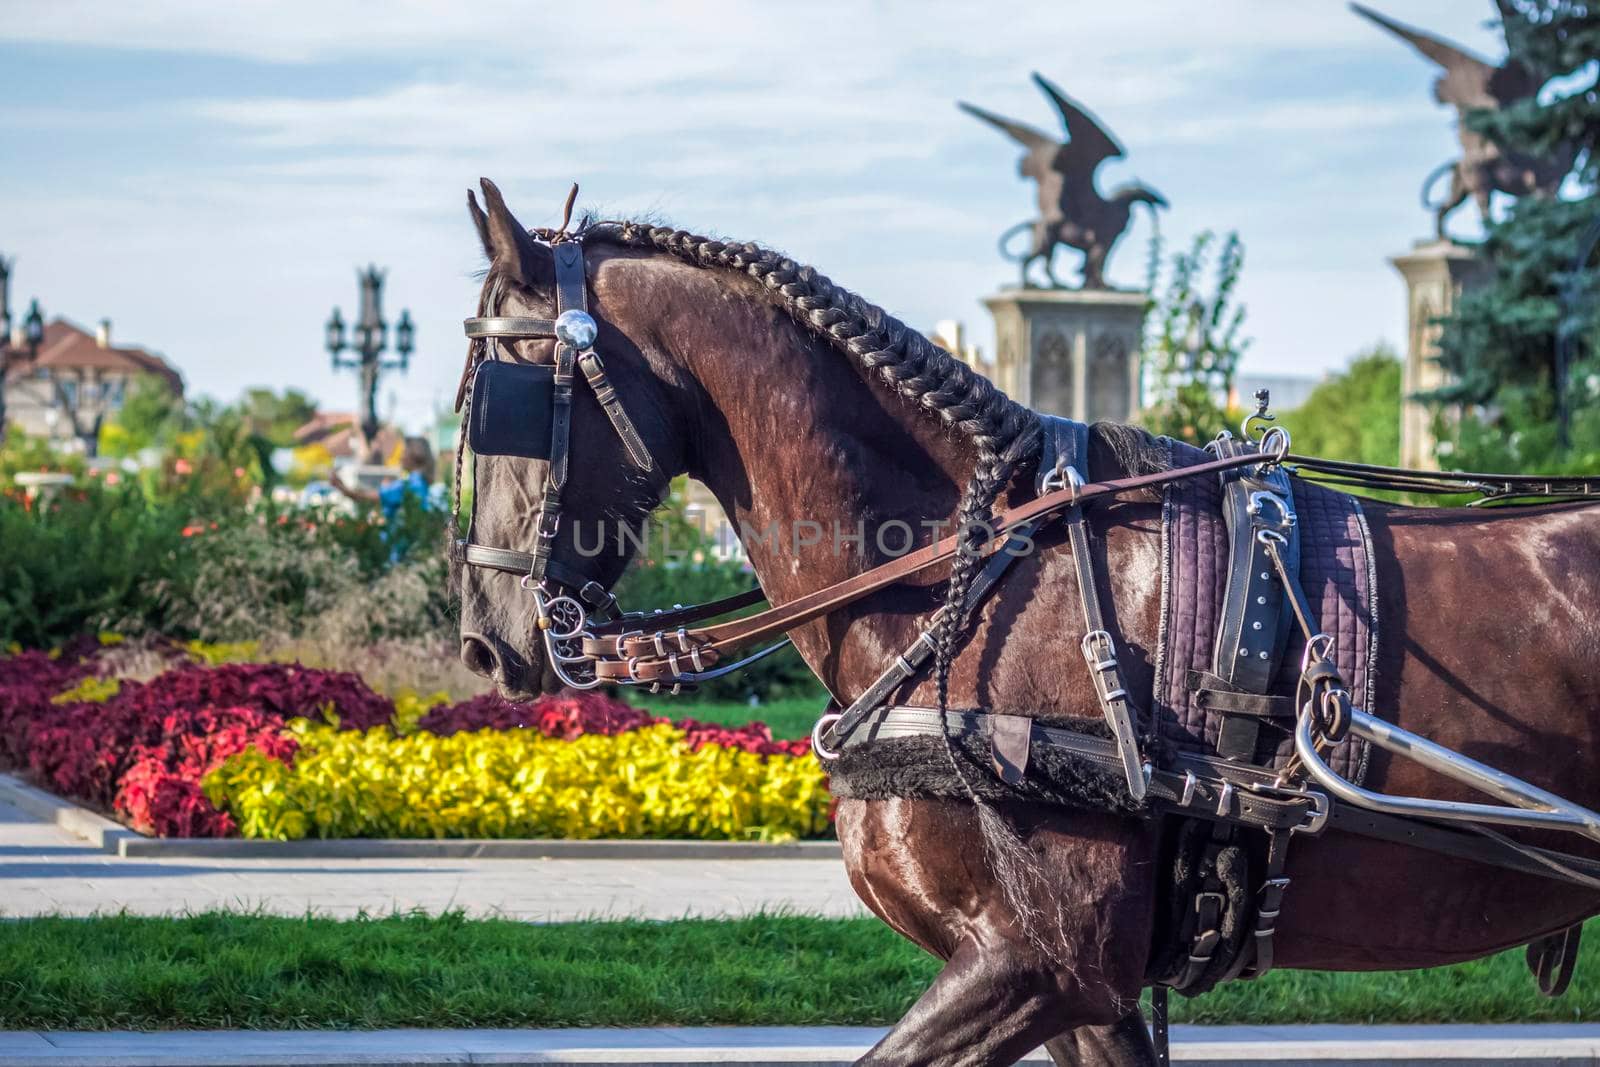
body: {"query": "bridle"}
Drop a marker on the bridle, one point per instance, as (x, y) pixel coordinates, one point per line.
(569, 597)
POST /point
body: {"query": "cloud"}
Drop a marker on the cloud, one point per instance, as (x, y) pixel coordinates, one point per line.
(834, 35)
(828, 129)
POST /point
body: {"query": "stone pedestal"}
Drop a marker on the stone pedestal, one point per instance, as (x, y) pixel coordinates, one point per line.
(1436, 273)
(1070, 352)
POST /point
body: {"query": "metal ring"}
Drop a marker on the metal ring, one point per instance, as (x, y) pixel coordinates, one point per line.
(1279, 454)
(823, 725)
(1305, 657)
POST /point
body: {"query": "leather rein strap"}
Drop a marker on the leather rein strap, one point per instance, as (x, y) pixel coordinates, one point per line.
(661, 656)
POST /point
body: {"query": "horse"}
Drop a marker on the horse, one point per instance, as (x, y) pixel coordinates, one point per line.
(795, 401)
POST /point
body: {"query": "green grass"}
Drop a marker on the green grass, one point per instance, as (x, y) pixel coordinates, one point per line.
(253, 971)
(789, 717)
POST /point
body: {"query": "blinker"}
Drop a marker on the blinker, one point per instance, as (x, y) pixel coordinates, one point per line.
(511, 409)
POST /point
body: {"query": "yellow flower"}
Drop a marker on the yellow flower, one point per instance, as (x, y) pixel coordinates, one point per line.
(92, 690)
(519, 783)
(223, 651)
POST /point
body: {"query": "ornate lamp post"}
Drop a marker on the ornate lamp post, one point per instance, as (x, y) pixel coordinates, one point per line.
(370, 337)
(15, 339)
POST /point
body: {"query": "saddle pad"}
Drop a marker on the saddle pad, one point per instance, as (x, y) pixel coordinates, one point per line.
(1336, 573)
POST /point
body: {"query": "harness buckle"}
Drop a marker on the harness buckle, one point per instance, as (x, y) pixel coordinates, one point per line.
(1316, 817)
(1107, 659)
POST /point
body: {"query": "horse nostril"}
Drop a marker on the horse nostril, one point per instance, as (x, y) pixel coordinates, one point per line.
(479, 656)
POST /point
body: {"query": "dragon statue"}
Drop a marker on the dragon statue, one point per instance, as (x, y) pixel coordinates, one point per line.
(1470, 84)
(1071, 210)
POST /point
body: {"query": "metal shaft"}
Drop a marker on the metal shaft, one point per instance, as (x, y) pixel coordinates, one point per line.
(1534, 807)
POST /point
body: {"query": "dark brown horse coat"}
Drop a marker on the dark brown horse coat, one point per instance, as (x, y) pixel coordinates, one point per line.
(1490, 639)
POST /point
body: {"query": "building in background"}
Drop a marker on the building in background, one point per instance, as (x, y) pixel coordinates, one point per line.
(338, 434)
(75, 381)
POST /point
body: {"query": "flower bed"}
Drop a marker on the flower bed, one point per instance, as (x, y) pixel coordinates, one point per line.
(283, 751)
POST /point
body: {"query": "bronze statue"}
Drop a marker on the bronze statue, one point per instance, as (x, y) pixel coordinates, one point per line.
(1071, 210)
(1470, 84)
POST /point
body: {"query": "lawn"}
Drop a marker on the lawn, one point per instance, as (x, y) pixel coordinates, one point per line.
(789, 717)
(253, 971)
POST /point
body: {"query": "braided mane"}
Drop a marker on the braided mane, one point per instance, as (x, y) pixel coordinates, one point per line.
(1004, 433)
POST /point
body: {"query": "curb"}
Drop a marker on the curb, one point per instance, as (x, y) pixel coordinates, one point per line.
(115, 838)
(93, 827)
(1558, 1045)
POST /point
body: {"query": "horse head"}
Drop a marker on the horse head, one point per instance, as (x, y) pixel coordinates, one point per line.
(605, 492)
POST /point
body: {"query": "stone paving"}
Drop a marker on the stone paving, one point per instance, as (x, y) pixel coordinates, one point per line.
(45, 870)
(1222, 1046)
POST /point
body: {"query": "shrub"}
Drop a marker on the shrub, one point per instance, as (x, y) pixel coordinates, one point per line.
(85, 555)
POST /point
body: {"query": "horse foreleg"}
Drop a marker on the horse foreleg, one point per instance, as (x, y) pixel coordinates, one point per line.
(1124, 1043)
(988, 1006)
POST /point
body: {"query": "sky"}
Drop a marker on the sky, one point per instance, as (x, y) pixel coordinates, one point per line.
(209, 175)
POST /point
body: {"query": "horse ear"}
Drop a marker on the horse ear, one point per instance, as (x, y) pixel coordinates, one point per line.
(508, 245)
(481, 222)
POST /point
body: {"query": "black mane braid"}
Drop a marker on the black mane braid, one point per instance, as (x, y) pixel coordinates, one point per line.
(1004, 433)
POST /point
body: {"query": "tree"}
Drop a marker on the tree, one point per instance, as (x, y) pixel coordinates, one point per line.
(1195, 344)
(276, 417)
(1500, 344)
(149, 417)
(1354, 415)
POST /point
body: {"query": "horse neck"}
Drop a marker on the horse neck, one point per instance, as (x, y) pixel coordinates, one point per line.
(789, 436)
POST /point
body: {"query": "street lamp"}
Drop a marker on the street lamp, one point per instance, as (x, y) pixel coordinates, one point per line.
(25, 339)
(369, 339)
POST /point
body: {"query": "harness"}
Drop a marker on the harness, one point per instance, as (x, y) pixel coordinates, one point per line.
(1226, 805)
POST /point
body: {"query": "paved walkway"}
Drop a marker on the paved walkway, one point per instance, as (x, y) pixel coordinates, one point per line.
(1194, 1046)
(45, 870)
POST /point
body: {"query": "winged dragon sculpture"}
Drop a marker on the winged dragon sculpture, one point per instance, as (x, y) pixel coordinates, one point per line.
(1469, 84)
(1071, 210)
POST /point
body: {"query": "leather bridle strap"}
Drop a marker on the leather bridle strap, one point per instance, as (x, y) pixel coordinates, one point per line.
(514, 561)
(487, 326)
(659, 656)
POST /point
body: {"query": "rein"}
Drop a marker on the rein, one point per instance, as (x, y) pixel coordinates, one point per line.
(658, 656)
(1491, 489)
